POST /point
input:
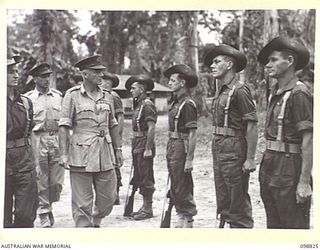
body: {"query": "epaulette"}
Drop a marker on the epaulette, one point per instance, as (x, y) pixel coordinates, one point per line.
(73, 89)
(56, 91)
(192, 102)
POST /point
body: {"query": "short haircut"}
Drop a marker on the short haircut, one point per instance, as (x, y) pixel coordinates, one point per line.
(232, 59)
(287, 52)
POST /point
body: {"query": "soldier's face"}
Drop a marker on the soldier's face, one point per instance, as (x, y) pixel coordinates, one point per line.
(94, 76)
(12, 76)
(175, 83)
(277, 64)
(220, 66)
(42, 81)
(106, 83)
(136, 90)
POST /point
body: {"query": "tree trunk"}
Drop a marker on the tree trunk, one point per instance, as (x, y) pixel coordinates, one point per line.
(194, 43)
(241, 28)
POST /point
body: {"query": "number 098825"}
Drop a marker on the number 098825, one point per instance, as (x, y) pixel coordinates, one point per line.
(309, 246)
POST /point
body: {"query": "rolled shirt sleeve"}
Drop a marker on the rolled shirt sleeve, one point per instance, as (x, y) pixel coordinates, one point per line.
(246, 105)
(150, 113)
(303, 113)
(67, 111)
(189, 112)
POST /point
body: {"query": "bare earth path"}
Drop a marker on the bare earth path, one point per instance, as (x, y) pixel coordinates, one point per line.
(203, 182)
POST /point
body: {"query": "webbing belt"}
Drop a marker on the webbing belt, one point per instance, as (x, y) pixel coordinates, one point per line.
(178, 135)
(225, 131)
(280, 146)
(24, 141)
(140, 133)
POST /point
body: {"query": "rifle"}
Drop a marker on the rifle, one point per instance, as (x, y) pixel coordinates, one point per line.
(128, 208)
(166, 216)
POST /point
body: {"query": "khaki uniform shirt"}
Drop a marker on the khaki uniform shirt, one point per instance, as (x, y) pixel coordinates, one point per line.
(46, 109)
(90, 146)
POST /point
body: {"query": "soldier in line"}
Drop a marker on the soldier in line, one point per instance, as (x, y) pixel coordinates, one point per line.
(234, 136)
(182, 142)
(143, 146)
(109, 82)
(285, 170)
(46, 114)
(21, 194)
(88, 111)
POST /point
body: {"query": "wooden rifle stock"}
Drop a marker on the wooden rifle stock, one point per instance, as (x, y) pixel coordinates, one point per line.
(166, 219)
(128, 207)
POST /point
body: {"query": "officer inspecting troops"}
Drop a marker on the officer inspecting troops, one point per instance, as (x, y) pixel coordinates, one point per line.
(46, 114)
(285, 170)
(182, 142)
(110, 81)
(234, 136)
(143, 146)
(21, 194)
(88, 111)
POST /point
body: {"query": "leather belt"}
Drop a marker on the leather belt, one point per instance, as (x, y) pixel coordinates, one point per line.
(178, 135)
(225, 131)
(140, 133)
(51, 133)
(24, 141)
(280, 146)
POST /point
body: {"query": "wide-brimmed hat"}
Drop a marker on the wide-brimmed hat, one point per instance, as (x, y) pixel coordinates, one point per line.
(113, 77)
(224, 49)
(41, 69)
(91, 62)
(189, 75)
(142, 79)
(13, 60)
(285, 43)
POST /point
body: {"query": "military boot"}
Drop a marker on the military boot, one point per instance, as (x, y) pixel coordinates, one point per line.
(181, 220)
(188, 222)
(146, 212)
(138, 212)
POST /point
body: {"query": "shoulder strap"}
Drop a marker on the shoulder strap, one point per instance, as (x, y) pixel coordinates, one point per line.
(176, 118)
(281, 114)
(226, 108)
(140, 113)
(29, 113)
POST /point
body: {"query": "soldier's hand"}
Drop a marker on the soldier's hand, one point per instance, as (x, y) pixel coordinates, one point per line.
(188, 167)
(147, 153)
(63, 162)
(119, 158)
(249, 166)
(303, 192)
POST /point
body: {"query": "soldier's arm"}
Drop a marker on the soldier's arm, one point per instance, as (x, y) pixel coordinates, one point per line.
(64, 138)
(252, 139)
(192, 139)
(304, 189)
(150, 139)
(120, 119)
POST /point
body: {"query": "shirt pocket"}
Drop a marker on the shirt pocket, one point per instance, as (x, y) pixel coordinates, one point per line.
(78, 152)
(85, 111)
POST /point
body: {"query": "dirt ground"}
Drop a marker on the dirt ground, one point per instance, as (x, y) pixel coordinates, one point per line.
(204, 192)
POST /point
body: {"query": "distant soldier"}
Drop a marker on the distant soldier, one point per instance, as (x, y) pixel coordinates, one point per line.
(234, 136)
(89, 152)
(21, 193)
(46, 106)
(143, 146)
(285, 170)
(109, 82)
(182, 142)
